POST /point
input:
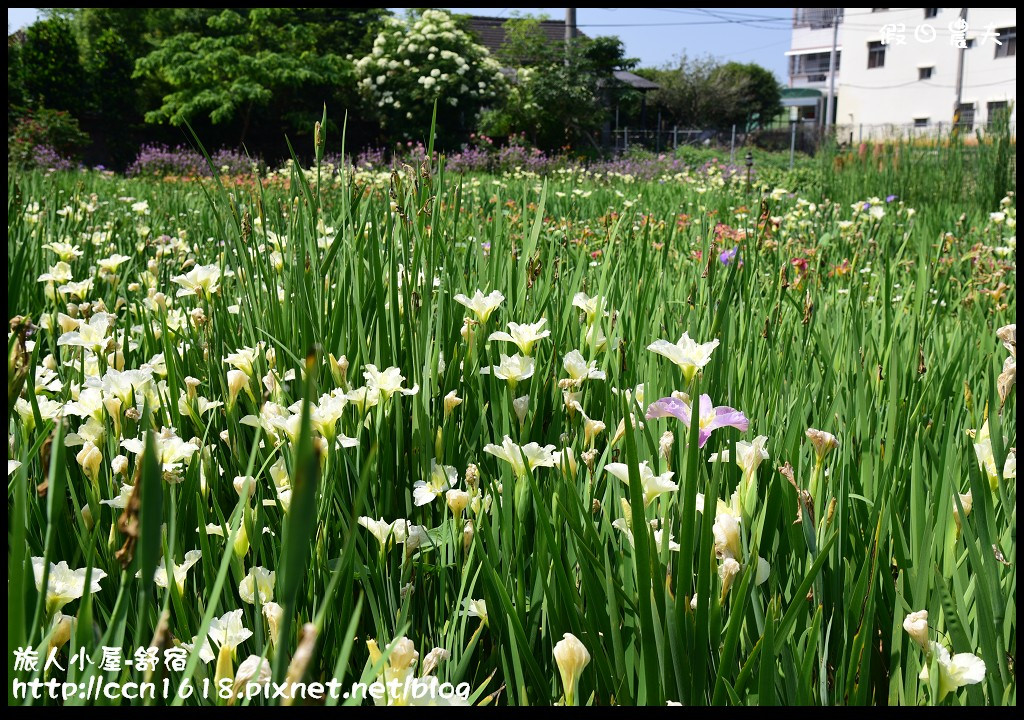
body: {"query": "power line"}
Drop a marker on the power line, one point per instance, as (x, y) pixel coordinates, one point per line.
(749, 22)
(725, 15)
(754, 49)
(748, 19)
(718, 13)
(676, 24)
(921, 83)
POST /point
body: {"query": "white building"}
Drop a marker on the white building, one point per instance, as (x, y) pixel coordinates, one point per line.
(896, 68)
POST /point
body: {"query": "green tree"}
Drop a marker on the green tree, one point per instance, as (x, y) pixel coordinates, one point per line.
(132, 26)
(51, 68)
(15, 87)
(234, 63)
(560, 95)
(702, 93)
(757, 90)
(112, 39)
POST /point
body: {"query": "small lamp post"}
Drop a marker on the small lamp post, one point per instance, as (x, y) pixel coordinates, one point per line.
(794, 118)
(749, 160)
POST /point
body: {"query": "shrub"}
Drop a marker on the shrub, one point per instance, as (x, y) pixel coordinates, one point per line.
(161, 161)
(45, 157)
(55, 130)
(560, 95)
(234, 162)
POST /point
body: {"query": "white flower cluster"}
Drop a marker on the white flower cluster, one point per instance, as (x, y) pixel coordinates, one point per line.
(417, 61)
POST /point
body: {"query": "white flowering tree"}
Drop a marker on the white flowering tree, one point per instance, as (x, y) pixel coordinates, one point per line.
(425, 58)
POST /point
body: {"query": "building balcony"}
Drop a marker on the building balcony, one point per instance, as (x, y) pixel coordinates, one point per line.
(816, 18)
(809, 68)
(811, 80)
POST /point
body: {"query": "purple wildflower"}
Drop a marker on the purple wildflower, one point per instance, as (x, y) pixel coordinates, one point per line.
(867, 206)
(161, 160)
(710, 417)
(46, 157)
(728, 256)
(890, 198)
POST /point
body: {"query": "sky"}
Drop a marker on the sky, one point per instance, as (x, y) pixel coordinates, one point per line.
(654, 35)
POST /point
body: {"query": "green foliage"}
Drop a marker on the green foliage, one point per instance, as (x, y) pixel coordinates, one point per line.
(115, 102)
(999, 164)
(111, 39)
(55, 129)
(873, 319)
(687, 96)
(237, 61)
(52, 74)
(561, 96)
(701, 93)
(758, 89)
(422, 60)
(15, 86)
(134, 28)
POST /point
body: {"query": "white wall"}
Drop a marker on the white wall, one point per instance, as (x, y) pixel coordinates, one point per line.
(894, 94)
(817, 39)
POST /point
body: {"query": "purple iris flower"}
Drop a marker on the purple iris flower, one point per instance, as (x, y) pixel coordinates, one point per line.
(867, 206)
(710, 417)
(728, 256)
(890, 198)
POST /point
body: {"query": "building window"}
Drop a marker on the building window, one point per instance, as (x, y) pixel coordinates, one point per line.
(812, 67)
(997, 111)
(876, 55)
(920, 122)
(931, 12)
(966, 117)
(1008, 38)
(925, 73)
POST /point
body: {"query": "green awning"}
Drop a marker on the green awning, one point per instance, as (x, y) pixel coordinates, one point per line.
(800, 97)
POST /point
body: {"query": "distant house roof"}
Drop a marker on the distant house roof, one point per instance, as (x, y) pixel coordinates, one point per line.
(491, 31)
(635, 81)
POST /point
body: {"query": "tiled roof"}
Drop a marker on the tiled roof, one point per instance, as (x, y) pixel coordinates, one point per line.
(491, 31)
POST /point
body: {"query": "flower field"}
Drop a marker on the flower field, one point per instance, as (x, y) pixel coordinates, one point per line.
(579, 438)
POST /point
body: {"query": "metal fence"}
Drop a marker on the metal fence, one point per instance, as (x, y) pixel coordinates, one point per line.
(855, 133)
(803, 137)
(665, 139)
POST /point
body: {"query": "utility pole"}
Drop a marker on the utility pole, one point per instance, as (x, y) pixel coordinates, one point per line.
(959, 76)
(570, 30)
(829, 110)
